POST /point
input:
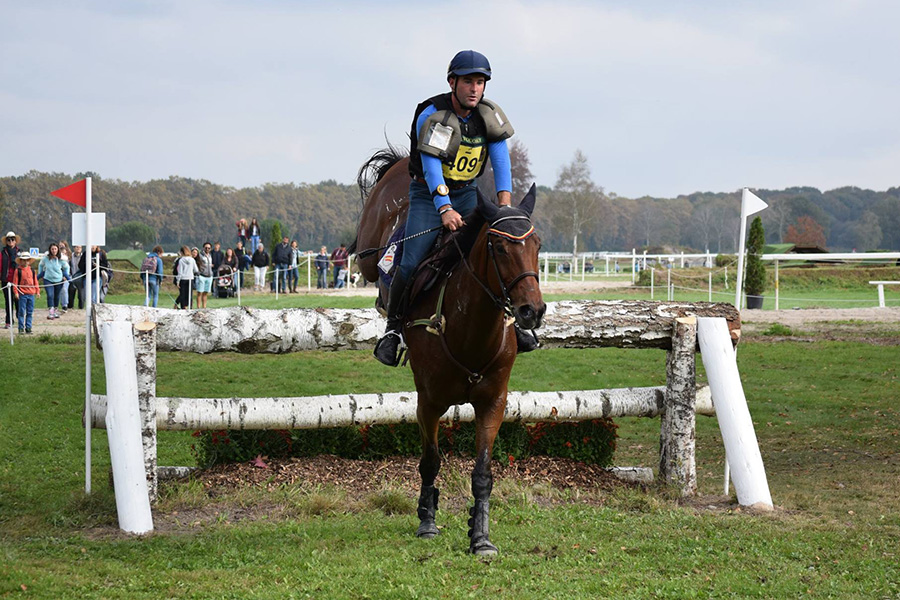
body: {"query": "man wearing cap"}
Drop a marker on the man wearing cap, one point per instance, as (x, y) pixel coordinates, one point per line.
(26, 289)
(452, 136)
(7, 268)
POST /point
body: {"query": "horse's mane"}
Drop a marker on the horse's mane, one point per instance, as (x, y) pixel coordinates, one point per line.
(374, 169)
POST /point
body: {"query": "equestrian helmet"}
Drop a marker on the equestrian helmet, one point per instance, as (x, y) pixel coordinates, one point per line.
(468, 62)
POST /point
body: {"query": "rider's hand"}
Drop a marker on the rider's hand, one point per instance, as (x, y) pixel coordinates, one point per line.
(451, 220)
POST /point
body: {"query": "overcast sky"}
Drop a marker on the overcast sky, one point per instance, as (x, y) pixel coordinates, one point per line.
(664, 98)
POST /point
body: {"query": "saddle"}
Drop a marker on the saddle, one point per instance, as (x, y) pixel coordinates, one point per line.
(438, 263)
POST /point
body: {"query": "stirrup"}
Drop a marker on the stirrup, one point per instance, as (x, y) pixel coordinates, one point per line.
(398, 352)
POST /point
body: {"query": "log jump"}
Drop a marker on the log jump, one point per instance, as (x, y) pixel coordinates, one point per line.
(670, 326)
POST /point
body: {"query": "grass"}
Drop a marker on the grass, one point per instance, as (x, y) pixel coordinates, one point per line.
(825, 414)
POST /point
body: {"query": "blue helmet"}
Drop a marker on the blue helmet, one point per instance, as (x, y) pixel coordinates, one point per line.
(468, 62)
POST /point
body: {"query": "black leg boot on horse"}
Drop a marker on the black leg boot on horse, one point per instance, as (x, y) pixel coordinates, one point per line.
(479, 521)
(389, 348)
(426, 511)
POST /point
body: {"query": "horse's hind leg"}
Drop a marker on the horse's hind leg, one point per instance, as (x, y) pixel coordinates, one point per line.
(487, 424)
(429, 466)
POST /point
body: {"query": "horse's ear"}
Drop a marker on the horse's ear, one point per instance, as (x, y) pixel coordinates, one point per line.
(487, 208)
(527, 203)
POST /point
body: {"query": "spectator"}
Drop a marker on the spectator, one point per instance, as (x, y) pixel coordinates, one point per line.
(66, 257)
(205, 268)
(260, 262)
(186, 270)
(281, 257)
(231, 260)
(217, 257)
(25, 289)
(242, 231)
(339, 261)
(255, 233)
(322, 268)
(152, 275)
(294, 270)
(243, 261)
(99, 270)
(76, 286)
(8, 257)
(195, 254)
(53, 270)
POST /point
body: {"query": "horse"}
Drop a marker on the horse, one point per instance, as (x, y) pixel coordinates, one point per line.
(459, 332)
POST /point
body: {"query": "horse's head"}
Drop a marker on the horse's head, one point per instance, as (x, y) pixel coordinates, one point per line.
(513, 247)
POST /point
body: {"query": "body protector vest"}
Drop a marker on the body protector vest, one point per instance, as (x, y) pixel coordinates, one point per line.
(461, 146)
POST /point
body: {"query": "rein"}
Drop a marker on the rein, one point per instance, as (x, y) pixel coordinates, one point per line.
(437, 323)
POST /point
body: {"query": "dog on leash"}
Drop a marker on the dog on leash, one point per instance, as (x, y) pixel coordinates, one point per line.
(354, 279)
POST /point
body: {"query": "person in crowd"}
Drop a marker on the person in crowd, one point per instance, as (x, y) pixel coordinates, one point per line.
(243, 260)
(217, 257)
(204, 281)
(241, 225)
(255, 233)
(260, 262)
(26, 289)
(281, 258)
(66, 256)
(152, 275)
(76, 286)
(294, 269)
(186, 271)
(53, 270)
(322, 268)
(339, 261)
(231, 260)
(99, 270)
(8, 257)
(195, 254)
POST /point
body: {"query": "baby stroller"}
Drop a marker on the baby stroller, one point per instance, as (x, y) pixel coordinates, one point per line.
(225, 286)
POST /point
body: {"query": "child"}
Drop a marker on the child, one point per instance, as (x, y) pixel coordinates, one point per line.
(26, 289)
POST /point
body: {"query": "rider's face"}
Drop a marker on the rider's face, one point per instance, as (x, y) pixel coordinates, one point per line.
(468, 90)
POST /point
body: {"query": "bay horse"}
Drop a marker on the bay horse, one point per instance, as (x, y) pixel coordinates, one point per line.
(467, 352)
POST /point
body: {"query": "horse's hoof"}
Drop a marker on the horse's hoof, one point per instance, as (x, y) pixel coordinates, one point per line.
(484, 548)
(426, 531)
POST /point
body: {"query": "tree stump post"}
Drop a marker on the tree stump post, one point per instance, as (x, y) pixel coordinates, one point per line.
(677, 466)
(145, 357)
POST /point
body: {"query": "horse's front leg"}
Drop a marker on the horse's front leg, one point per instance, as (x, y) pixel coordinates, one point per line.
(487, 424)
(429, 465)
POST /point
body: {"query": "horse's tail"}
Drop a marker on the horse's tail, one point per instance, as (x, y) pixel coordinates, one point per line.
(374, 169)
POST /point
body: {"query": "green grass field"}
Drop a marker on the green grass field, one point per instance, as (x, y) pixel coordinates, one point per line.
(825, 414)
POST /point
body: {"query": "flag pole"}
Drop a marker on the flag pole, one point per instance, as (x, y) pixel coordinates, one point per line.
(739, 287)
(87, 340)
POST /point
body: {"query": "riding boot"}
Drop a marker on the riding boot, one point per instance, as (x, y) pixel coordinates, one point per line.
(428, 504)
(526, 340)
(387, 350)
(479, 529)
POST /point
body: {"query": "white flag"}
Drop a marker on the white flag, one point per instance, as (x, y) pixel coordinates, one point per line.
(751, 203)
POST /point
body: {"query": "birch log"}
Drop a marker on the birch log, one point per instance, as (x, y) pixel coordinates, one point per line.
(676, 444)
(568, 324)
(370, 409)
(145, 358)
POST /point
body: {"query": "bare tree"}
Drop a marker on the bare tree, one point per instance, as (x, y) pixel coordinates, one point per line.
(576, 198)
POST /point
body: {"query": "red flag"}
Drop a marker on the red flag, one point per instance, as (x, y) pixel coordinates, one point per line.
(75, 193)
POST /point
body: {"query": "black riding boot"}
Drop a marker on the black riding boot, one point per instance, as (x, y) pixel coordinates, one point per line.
(428, 504)
(387, 348)
(526, 340)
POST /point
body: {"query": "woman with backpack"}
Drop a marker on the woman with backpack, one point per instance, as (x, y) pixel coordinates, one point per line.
(151, 275)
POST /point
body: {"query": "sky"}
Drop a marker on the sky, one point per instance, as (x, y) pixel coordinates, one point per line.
(664, 98)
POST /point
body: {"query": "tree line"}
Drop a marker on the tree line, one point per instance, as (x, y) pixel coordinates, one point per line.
(575, 213)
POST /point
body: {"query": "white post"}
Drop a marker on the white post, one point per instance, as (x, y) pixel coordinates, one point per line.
(669, 284)
(880, 295)
(741, 446)
(710, 286)
(583, 265)
(607, 265)
(87, 337)
(633, 264)
(776, 285)
(276, 282)
(652, 272)
(123, 427)
(726, 277)
(682, 260)
(546, 268)
(147, 290)
(239, 281)
(750, 205)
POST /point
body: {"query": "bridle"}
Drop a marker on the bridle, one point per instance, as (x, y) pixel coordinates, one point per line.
(437, 323)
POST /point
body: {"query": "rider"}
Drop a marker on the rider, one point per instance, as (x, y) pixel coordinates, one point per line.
(452, 136)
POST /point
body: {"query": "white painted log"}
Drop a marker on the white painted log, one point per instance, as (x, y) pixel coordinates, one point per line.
(569, 324)
(733, 415)
(315, 412)
(145, 358)
(676, 445)
(123, 423)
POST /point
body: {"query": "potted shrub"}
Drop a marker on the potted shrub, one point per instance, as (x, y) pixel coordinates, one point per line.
(755, 279)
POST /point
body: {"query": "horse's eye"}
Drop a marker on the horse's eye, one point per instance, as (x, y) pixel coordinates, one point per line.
(501, 249)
